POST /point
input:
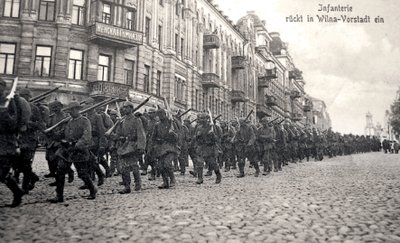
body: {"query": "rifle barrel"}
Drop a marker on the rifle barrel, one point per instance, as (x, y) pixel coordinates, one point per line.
(43, 95)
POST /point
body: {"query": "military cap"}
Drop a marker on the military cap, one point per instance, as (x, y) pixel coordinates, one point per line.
(128, 103)
(202, 116)
(55, 104)
(3, 82)
(152, 110)
(74, 104)
(89, 101)
(113, 112)
(265, 119)
(25, 92)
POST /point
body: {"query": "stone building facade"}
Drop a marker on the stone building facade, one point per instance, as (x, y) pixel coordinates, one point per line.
(187, 51)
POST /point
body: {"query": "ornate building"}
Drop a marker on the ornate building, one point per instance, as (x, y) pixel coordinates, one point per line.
(187, 51)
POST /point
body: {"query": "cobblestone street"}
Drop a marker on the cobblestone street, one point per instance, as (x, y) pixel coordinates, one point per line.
(345, 199)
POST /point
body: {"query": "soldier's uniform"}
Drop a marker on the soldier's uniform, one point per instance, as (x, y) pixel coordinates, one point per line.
(280, 146)
(267, 136)
(8, 142)
(28, 142)
(205, 141)
(133, 144)
(244, 141)
(184, 154)
(98, 144)
(228, 133)
(150, 158)
(113, 145)
(165, 140)
(75, 150)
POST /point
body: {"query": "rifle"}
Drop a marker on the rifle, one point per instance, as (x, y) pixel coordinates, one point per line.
(248, 116)
(118, 110)
(108, 133)
(42, 96)
(184, 113)
(273, 120)
(211, 120)
(216, 118)
(65, 108)
(12, 92)
(103, 103)
(193, 121)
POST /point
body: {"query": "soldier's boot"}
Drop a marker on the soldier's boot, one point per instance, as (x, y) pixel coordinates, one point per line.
(60, 182)
(126, 181)
(209, 173)
(17, 192)
(265, 169)
(257, 167)
(152, 175)
(241, 170)
(219, 176)
(70, 176)
(199, 176)
(25, 182)
(165, 178)
(137, 179)
(172, 178)
(99, 174)
(92, 188)
(105, 165)
(33, 179)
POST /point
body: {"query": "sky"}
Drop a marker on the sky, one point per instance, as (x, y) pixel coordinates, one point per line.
(353, 67)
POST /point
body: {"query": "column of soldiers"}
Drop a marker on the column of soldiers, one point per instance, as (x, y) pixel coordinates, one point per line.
(90, 137)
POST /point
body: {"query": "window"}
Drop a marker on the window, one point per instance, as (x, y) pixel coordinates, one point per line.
(75, 64)
(161, 2)
(47, 10)
(147, 29)
(131, 20)
(106, 15)
(103, 71)
(78, 12)
(196, 101)
(176, 43)
(180, 89)
(129, 67)
(158, 83)
(146, 79)
(183, 9)
(43, 61)
(159, 37)
(11, 8)
(182, 47)
(7, 58)
(177, 8)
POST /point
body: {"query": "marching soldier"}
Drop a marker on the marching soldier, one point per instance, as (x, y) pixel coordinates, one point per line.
(133, 143)
(113, 145)
(228, 133)
(98, 143)
(74, 150)
(244, 141)
(28, 142)
(54, 139)
(9, 126)
(205, 141)
(165, 140)
(267, 136)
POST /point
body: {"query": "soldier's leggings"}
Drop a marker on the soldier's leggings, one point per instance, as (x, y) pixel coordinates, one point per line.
(183, 160)
(51, 161)
(9, 181)
(130, 164)
(24, 164)
(266, 160)
(114, 164)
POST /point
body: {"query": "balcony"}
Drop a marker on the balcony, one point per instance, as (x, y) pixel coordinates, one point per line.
(292, 75)
(238, 62)
(297, 117)
(115, 36)
(271, 101)
(294, 94)
(238, 96)
(210, 80)
(211, 41)
(108, 89)
(263, 110)
(307, 107)
(271, 73)
(263, 82)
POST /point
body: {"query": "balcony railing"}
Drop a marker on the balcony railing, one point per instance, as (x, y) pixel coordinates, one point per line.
(211, 41)
(238, 62)
(271, 101)
(108, 89)
(238, 96)
(210, 80)
(271, 73)
(297, 117)
(262, 110)
(292, 75)
(114, 35)
(295, 94)
(307, 107)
